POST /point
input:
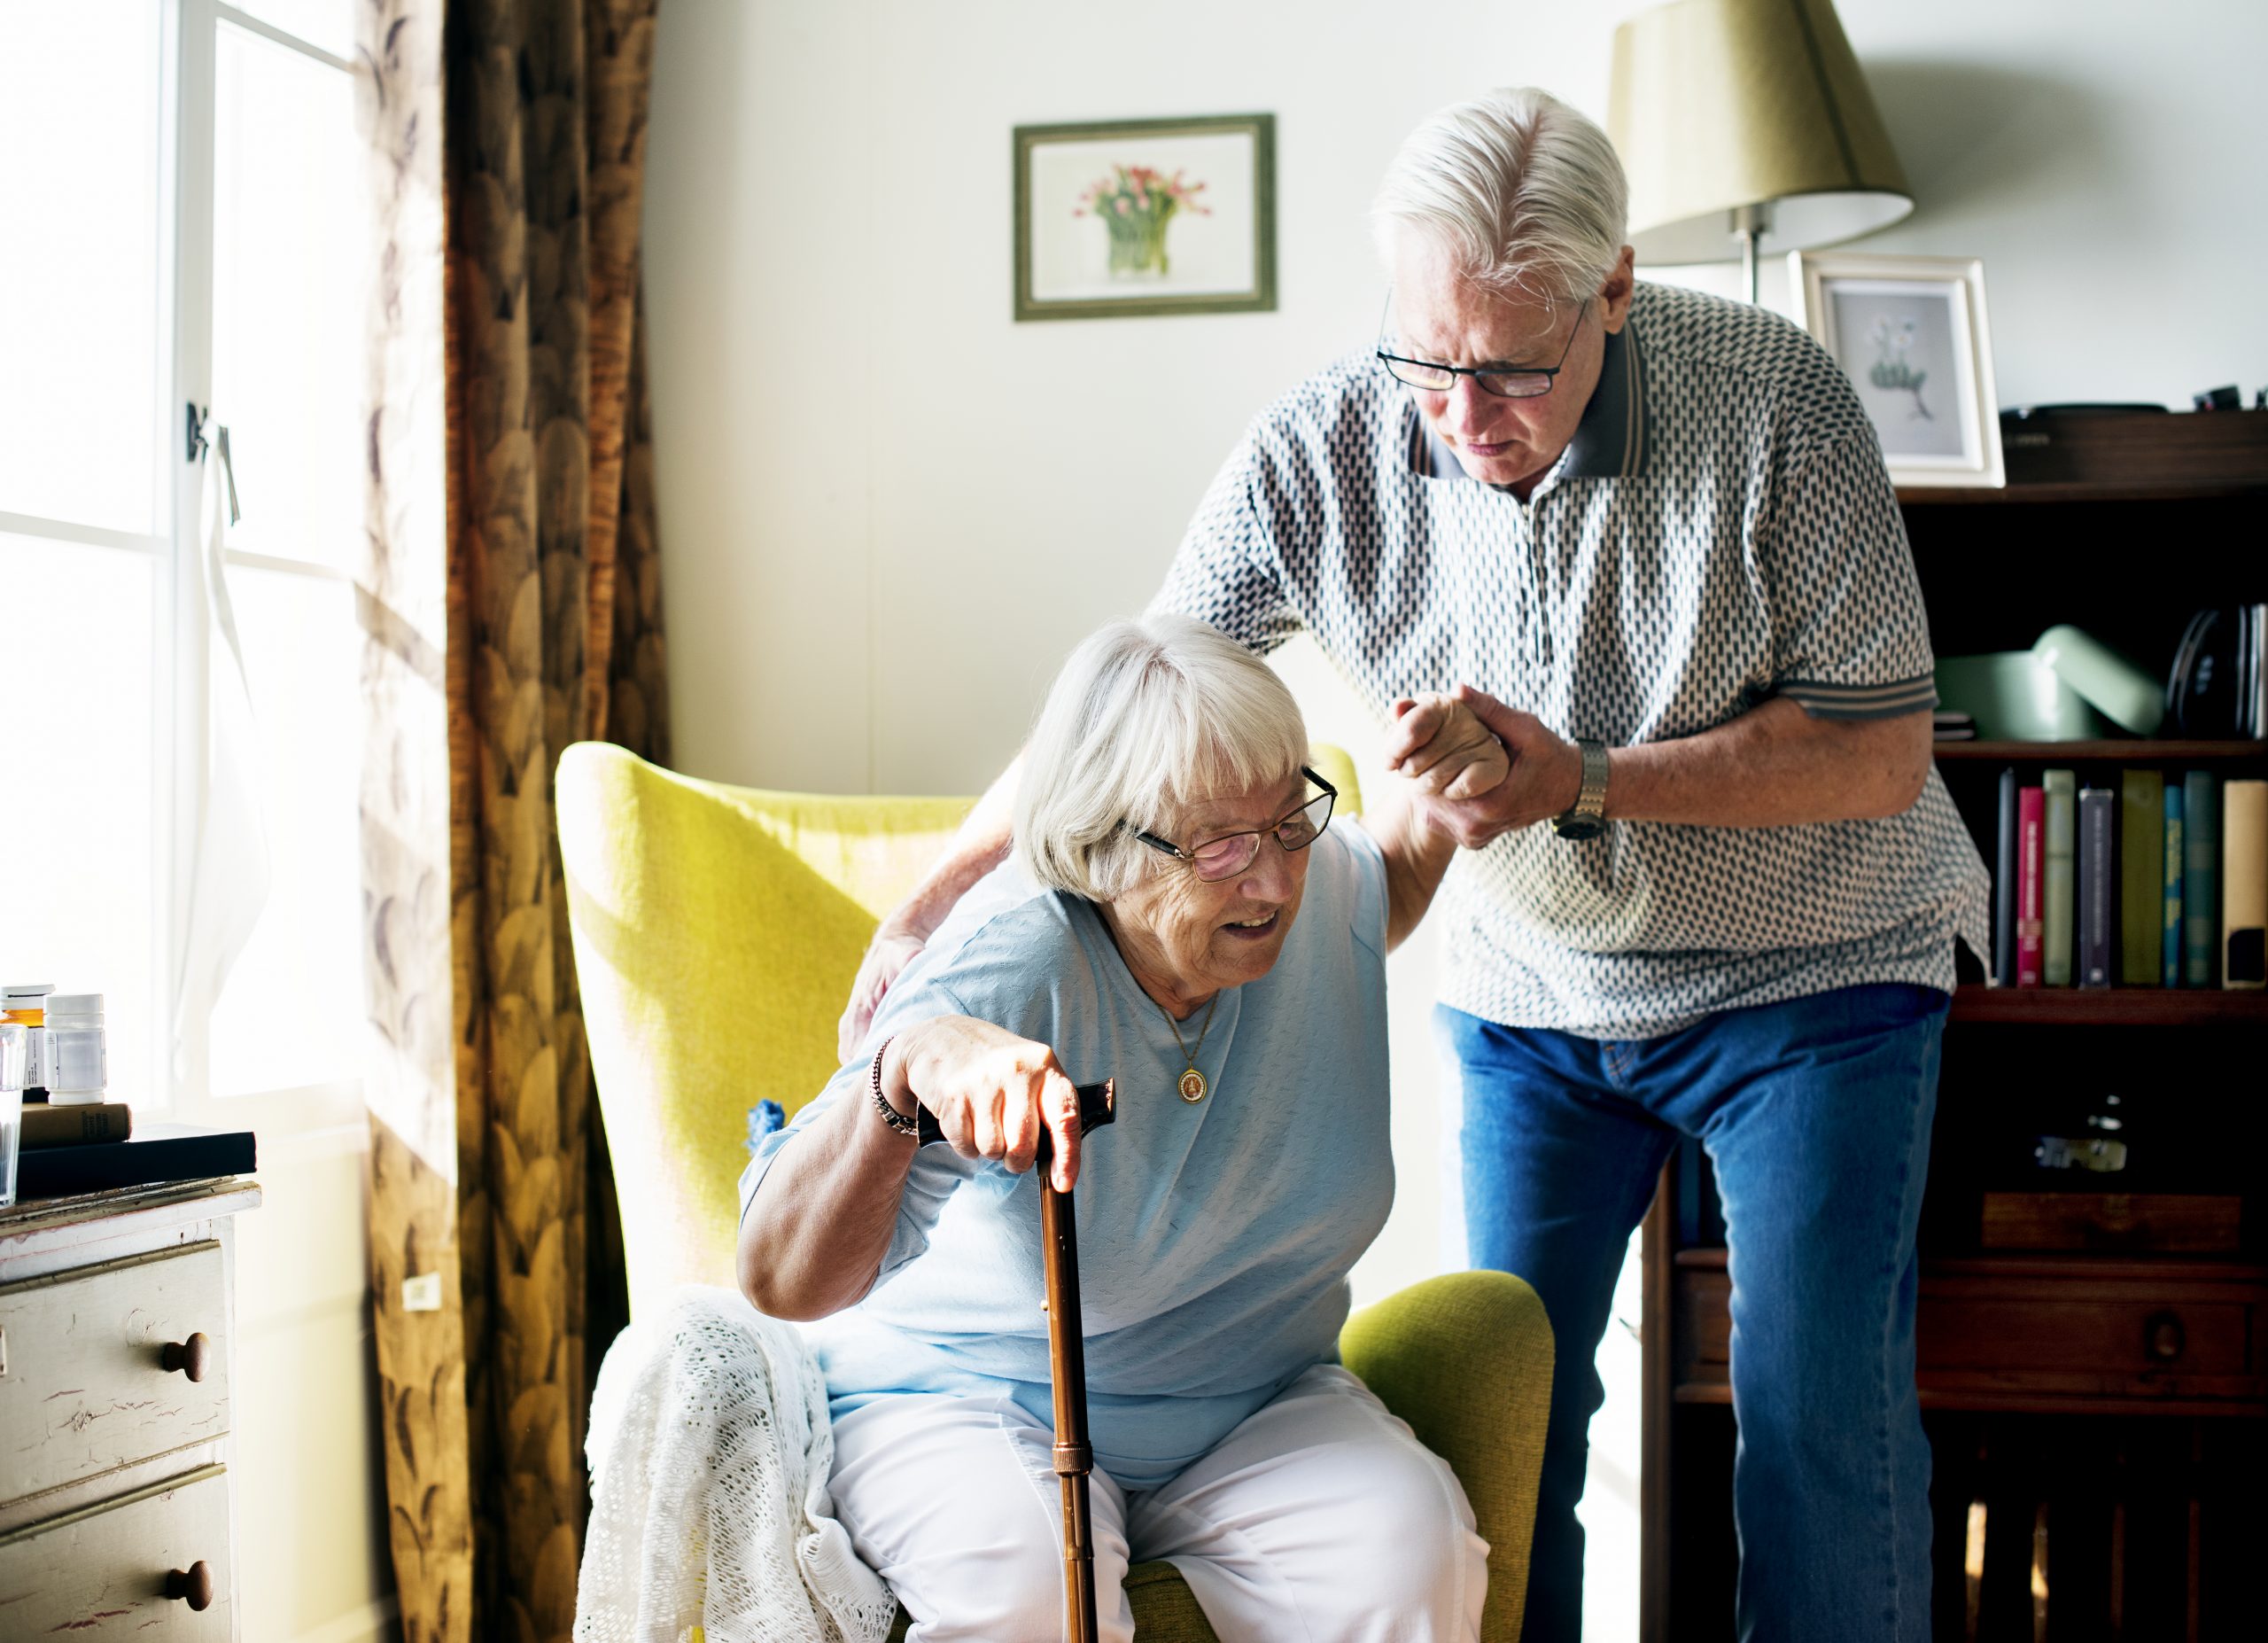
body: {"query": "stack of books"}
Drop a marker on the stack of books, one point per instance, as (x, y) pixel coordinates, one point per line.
(2160, 882)
(68, 1149)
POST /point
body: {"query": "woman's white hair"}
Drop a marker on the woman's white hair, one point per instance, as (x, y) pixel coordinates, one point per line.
(1526, 195)
(1145, 716)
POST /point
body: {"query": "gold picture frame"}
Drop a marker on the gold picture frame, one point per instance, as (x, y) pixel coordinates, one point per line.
(1911, 334)
(1116, 219)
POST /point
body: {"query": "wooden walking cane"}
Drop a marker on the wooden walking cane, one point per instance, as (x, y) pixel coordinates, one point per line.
(1067, 1369)
(1067, 1359)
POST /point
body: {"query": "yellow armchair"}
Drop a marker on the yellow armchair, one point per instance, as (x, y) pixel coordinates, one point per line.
(717, 931)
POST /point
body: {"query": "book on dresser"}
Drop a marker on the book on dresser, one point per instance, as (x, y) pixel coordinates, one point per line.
(2031, 853)
(2244, 883)
(2098, 879)
(2142, 875)
(2170, 954)
(2201, 879)
(2061, 792)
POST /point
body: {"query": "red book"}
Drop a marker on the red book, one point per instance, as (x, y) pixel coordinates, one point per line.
(2032, 856)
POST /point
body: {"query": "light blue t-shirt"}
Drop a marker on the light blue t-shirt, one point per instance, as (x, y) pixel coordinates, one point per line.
(1214, 1239)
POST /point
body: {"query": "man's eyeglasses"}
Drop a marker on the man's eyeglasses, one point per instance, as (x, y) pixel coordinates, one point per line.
(1506, 383)
(1231, 853)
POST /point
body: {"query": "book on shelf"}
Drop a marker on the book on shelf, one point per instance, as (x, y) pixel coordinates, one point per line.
(2170, 954)
(47, 1125)
(2244, 883)
(2141, 873)
(2098, 875)
(2004, 885)
(2061, 790)
(2201, 878)
(2032, 853)
(157, 1153)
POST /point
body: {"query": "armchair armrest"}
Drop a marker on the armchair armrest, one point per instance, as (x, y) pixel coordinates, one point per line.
(1465, 1358)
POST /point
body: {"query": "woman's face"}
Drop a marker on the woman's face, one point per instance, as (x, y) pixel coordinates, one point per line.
(1186, 939)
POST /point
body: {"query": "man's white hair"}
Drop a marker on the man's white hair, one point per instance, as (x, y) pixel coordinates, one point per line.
(1526, 195)
(1145, 716)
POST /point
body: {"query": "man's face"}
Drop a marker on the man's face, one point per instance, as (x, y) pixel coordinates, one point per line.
(1444, 319)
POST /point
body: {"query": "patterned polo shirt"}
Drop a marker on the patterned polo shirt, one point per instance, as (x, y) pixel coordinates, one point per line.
(1720, 531)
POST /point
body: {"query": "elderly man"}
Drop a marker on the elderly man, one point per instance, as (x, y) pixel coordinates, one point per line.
(1651, 533)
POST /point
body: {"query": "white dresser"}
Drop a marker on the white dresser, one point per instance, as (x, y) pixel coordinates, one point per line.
(117, 1510)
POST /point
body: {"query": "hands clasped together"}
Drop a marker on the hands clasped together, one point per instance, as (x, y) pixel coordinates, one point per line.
(1482, 769)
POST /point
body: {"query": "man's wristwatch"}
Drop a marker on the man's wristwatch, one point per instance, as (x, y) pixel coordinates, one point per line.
(1585, 818)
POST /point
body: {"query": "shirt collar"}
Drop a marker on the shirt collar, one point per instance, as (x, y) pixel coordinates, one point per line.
(1610, 441)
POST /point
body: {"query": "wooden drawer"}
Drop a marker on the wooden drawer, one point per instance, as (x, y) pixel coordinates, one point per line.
(2004, 1331)
(101, 1574)
(84, 1388)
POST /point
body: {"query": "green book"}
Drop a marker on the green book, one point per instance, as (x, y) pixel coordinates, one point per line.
(2201, 878)
(2141, 875)
(2059, 876)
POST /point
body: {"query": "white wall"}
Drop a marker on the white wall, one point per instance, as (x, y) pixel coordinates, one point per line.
(888, 511)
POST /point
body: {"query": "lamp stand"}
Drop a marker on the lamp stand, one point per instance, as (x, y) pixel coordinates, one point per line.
(1748, 224)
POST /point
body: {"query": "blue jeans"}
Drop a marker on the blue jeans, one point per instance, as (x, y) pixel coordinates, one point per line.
(1816, 1117)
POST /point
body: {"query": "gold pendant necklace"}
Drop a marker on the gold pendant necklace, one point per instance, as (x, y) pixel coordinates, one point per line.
(1192, 1086)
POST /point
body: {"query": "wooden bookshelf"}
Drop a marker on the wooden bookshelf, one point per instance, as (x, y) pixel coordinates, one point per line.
(2129, 751)
(2074, 1392)
(2111, 1007)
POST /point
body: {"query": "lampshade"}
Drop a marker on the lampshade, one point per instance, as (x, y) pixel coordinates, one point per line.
(1719, 105)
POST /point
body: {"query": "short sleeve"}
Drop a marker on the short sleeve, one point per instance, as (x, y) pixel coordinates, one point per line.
(1226, 572)
(1850, 638)
(1366, 861)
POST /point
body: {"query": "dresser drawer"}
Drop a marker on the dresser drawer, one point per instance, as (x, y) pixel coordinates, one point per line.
(1990, 1333)
(85, 1388)
(101, 1574)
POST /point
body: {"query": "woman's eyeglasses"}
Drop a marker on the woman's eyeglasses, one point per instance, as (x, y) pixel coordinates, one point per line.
(1231, 853)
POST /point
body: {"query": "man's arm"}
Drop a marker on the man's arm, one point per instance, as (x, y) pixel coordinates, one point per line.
(1775, 766)
(980, 845)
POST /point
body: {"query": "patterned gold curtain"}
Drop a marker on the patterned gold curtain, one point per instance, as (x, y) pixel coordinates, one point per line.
(511, 605)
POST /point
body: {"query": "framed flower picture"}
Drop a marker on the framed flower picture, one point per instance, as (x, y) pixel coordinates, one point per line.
(1146, 216)
(1910, 332)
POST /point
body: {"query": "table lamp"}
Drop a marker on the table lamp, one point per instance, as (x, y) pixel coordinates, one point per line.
(1746, 128)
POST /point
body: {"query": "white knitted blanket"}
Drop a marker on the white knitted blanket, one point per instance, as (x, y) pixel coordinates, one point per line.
(710, 1454)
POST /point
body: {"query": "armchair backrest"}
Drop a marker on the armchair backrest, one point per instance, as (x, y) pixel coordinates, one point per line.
(717, 932)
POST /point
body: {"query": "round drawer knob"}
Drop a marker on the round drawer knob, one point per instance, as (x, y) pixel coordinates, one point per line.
(192, 1357)
(2163, 1337)
(192, 1585)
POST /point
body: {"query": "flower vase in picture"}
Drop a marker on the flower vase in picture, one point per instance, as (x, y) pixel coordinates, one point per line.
(1136, 205)
(1892, 372)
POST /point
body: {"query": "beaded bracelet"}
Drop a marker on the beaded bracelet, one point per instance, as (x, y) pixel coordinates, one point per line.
(891, 1116)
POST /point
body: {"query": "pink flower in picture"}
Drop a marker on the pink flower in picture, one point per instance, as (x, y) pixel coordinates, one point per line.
(1142, 201)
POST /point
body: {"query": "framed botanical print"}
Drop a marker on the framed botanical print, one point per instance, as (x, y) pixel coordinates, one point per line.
(1146, 216)
(1911, 334)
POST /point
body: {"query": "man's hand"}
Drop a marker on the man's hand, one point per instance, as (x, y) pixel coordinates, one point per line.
(993, 1093)
(892, 949)
(1545, 779)
(1444, 750)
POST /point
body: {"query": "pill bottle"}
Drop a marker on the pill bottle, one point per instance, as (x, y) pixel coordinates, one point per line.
(24, 1003)
(11, 1104)
(78, 1058)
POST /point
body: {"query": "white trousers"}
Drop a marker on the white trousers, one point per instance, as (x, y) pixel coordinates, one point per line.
(1319, 1520)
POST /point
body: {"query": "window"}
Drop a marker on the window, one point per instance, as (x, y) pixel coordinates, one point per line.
(185, 223)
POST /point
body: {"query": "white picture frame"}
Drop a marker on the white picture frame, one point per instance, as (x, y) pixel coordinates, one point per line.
(1911, 334)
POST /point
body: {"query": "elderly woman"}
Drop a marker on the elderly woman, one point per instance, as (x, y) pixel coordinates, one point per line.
(1180, 915)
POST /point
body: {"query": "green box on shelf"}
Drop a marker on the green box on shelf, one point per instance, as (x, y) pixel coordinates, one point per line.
(2015, 696)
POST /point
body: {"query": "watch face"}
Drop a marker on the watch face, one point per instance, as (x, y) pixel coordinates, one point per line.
(1578, 828)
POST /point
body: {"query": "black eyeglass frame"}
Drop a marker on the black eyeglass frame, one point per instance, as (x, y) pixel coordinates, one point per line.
(1480, 374)
(1330, 795)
